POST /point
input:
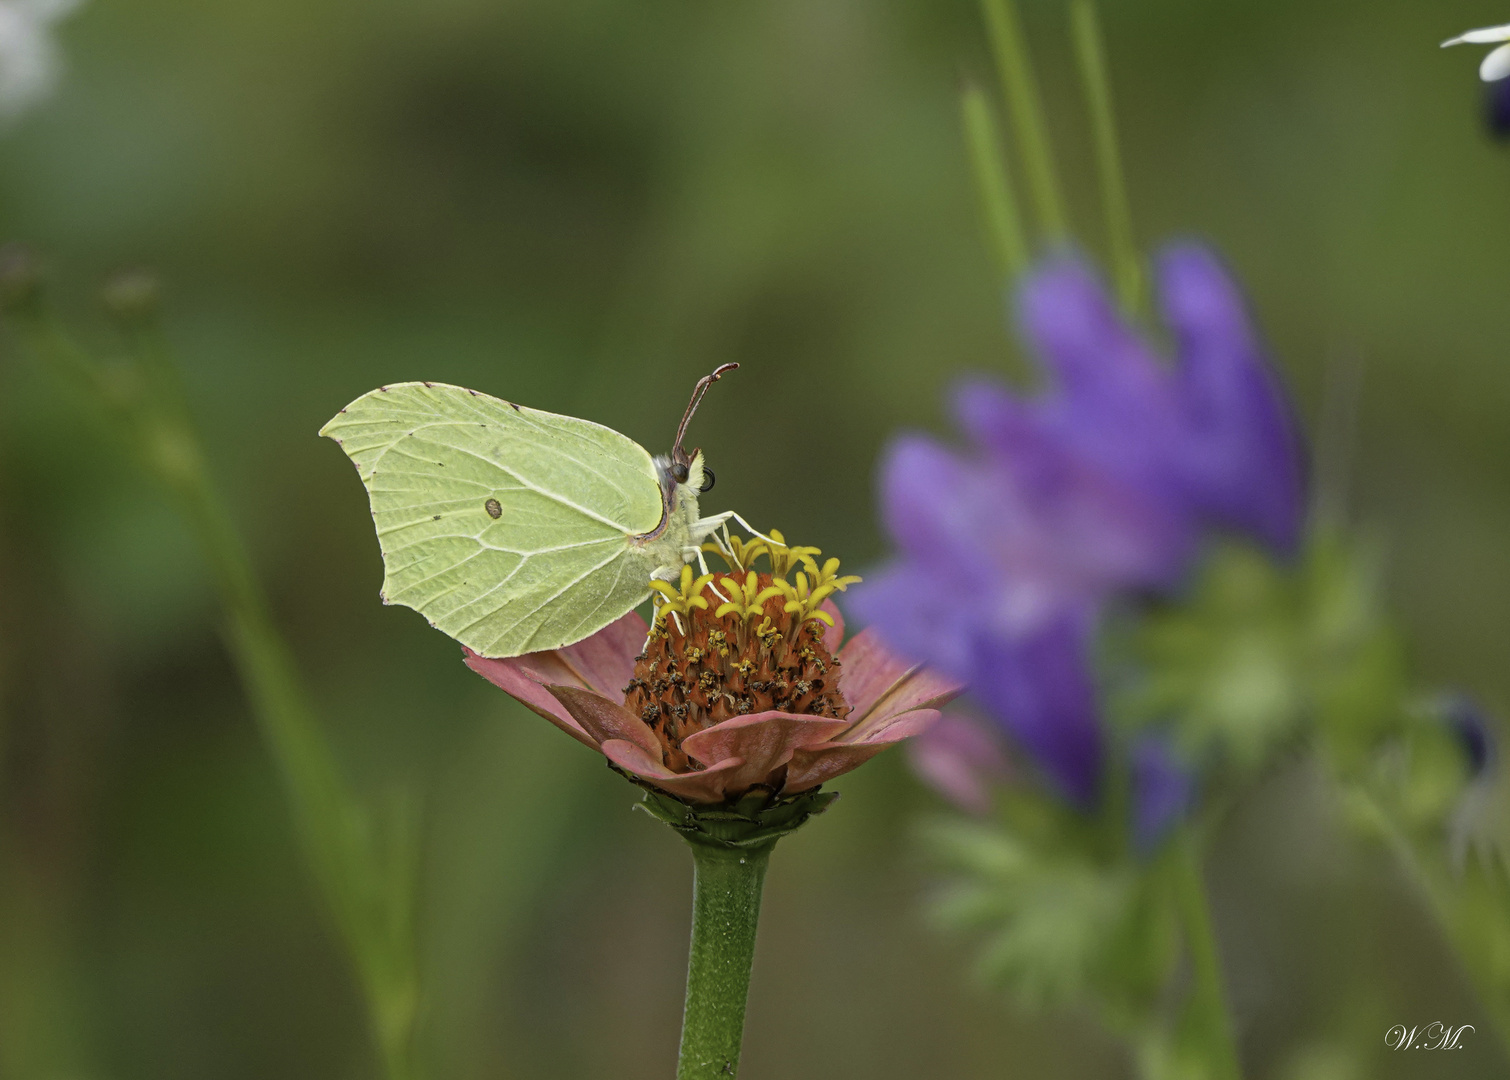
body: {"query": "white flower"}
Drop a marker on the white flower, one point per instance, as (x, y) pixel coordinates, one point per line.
(1496, 65)
(29, 63)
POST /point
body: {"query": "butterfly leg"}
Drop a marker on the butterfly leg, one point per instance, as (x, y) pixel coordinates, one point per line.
(725, 542)
(703, 528)
(702, 564)
(752, 530)
(706, 526)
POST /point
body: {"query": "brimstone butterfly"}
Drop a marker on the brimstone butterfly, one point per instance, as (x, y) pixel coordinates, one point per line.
(515, 530)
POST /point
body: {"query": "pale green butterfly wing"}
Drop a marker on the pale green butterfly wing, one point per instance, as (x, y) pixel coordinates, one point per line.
(508, 528)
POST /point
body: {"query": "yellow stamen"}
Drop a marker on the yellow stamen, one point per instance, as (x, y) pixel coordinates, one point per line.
(784, 559)
(827, 578)
(804, 602)
(682, 598)
(739, 554)
(767, 633)
(747, 598)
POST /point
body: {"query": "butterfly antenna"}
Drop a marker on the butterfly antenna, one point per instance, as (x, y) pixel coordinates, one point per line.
(698, 391)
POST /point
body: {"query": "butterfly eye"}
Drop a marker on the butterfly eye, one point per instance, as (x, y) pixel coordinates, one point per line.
(679, 473)
(707, 484)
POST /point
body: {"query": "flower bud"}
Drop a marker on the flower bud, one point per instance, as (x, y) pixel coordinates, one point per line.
(1497, 108)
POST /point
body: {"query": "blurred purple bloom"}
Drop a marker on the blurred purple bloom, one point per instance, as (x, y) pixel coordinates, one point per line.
(1041, 688)
(1237, 449)
(1498, 99)
(1162, 792)
(1101, 486)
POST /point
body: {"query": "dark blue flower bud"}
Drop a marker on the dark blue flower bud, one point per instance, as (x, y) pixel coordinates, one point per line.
(1497, 101)
(1474, 731)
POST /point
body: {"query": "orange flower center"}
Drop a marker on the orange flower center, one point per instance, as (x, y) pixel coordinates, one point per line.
(732, 644)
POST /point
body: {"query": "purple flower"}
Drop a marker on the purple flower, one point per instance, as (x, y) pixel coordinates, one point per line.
(1236, 447)
(1210, 441)
(1101, 486)
(1040, 687)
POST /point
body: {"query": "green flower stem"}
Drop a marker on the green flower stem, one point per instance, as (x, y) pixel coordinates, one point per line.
(1090, 51)
(1209, 1003)
(1461, 905)
(368, 884)
(725, 911)
(1020, 87)
(1003, 218)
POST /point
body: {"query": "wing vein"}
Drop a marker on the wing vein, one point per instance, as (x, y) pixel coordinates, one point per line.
(543, 603)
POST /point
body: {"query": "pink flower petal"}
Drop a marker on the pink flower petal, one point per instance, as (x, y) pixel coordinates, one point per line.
(606, 721)
(603, 663)
(814, 765)
(520, 683)
(711, 785)
(881, 687)
(763, 741)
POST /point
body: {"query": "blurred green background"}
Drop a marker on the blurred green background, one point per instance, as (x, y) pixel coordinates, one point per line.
(583, 205)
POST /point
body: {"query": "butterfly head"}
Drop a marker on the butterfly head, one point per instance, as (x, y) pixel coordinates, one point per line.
(681, 484)
(693, 473)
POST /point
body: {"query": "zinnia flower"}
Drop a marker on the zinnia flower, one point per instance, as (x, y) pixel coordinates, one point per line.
(741, 684)
(1102, 487)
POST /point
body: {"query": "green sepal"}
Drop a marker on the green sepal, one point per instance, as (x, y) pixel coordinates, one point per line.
(758, 819)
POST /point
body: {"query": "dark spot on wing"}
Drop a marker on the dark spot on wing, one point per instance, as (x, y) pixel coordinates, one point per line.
(494, 510)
